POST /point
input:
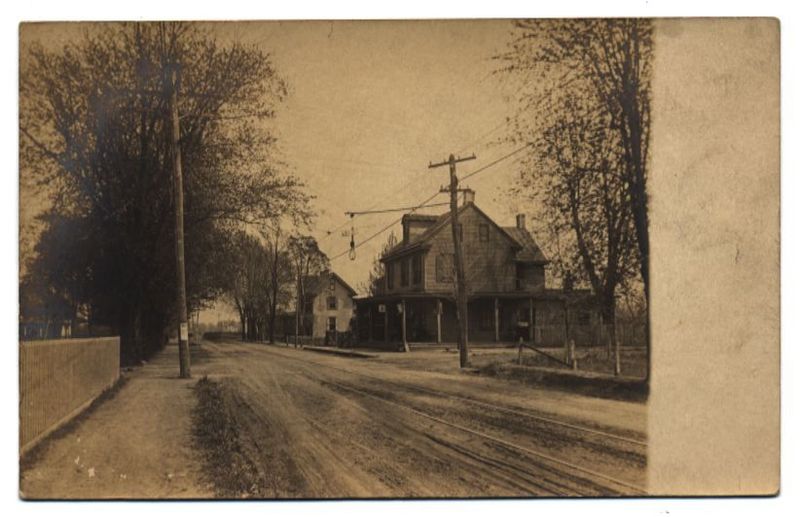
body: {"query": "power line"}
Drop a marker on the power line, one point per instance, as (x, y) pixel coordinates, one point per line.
(473, 173)
(413, 179)
(380, 231)
(345, 223)
(509, 155)
(399, 209)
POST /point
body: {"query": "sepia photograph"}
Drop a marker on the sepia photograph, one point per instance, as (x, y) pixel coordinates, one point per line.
(399, 259)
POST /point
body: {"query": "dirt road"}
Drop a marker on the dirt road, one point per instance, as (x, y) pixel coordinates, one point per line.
(320, 426)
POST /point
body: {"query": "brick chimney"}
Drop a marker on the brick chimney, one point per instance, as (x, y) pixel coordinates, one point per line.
(521, 221)
(469, 196)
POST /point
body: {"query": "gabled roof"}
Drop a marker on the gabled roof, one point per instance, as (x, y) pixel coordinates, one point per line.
(425, 218)
(528, 250)
(317, 283)
(421, 241)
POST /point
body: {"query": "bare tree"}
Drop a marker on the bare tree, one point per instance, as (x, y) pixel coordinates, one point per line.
(308, 260)
(279, 272)
(574, 173)
(374, 285)
(585, 105)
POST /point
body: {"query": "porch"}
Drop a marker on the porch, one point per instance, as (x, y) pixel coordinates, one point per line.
(416, 320)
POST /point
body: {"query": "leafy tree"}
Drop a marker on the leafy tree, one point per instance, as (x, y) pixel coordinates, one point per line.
(94, 131)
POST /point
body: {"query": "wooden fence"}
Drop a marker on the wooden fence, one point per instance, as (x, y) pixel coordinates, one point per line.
(60, 378)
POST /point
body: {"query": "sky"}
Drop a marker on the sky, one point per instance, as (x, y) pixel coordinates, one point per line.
(370, 104)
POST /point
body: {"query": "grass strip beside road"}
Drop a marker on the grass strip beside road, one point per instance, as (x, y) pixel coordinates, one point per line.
(216, 433)
(584, 383)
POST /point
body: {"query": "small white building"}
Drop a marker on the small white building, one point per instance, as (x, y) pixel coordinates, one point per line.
(331, 305)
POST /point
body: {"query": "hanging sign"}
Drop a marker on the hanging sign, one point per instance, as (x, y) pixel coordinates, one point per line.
(184, 332)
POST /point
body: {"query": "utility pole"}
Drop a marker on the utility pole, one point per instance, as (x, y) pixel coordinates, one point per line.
(183, 323)
(461, 282)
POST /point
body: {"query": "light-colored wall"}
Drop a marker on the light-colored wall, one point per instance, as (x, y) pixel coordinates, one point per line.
(343, 311)
(58, 378)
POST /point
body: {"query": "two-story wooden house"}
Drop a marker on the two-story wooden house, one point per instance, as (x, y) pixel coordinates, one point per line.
(329, 307)
(505, 276)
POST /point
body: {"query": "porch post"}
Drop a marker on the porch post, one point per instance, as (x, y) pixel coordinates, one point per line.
(386, 324)
(405, 340)
(439, 321)
(369, 335)
(531, 334)
(496, 320)
(356, 335)
(466, 323)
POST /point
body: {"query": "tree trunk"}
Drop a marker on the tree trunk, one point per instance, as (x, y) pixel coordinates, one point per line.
(272, 308)
(608, 310)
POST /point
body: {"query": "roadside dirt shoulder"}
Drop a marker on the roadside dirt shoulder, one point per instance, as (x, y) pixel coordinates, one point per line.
(136, 445)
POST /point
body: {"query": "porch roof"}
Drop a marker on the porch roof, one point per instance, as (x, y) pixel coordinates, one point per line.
(575, 295)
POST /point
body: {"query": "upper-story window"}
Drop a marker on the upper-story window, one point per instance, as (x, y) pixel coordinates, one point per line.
(404, 272)
(416, 269)
(332, 285)
(444, 267)
(483, 233)
(332, 302)
(390, 275)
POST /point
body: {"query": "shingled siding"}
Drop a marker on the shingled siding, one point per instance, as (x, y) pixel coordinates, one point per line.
(489, 266)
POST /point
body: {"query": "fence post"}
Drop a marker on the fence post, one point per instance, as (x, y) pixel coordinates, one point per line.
(617, 368)
(519, 351)
(572, 359)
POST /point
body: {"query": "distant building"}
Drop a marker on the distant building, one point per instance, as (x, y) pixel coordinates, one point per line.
(329, 307)
(505, 273)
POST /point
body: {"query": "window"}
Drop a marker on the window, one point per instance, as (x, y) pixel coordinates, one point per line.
(444, 267)
(390, 276)
(332, 302)
(416, 269)
(404, 272)
(332, 324)
(486, 321)
(483, 233)
(332, 286)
